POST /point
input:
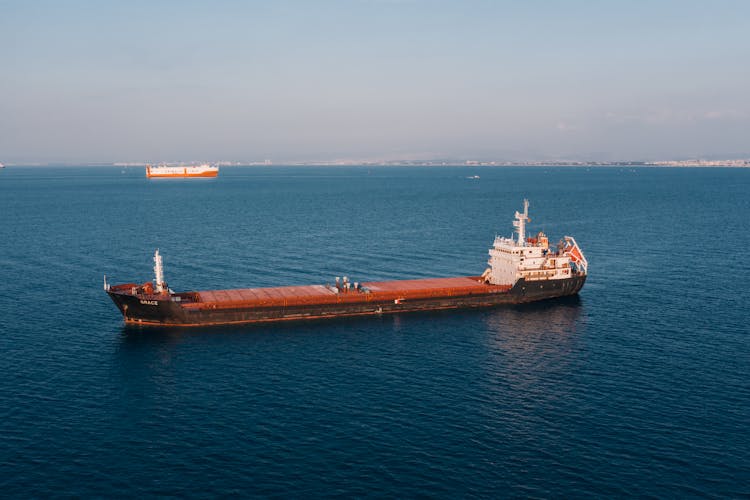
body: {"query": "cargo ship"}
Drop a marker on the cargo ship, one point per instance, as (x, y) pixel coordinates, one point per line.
(521, 269)
(204, 170)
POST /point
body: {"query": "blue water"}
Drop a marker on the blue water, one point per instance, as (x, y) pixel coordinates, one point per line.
(639, 387)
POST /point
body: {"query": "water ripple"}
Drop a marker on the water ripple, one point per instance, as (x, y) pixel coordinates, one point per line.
(637, 388)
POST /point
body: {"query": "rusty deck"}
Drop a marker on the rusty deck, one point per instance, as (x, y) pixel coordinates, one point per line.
(320, 294)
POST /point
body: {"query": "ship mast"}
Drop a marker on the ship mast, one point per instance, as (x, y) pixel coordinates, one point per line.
(520, 223)
(158, 272)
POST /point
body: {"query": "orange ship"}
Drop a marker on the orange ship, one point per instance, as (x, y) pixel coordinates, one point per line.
(521, 270)
(204, 170)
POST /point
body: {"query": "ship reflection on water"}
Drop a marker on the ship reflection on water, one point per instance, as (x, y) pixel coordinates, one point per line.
(145, 362)
(533, 351)
(522, 327)
(519, 348)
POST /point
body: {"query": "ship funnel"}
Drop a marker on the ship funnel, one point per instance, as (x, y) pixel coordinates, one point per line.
(158, 272)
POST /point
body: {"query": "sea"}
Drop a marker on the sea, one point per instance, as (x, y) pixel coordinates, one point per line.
(639, 386)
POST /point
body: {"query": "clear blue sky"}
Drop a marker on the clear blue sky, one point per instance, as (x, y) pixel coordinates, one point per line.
(373, 79)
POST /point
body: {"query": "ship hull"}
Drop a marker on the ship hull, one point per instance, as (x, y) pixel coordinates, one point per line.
(181, 172)
(167, 312)
(183, 175)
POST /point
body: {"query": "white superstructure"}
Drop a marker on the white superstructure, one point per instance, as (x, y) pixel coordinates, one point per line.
(531, 258)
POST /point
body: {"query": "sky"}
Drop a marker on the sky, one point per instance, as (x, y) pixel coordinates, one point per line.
(373, 80)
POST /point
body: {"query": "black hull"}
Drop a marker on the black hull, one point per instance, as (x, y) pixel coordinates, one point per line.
(168, 313)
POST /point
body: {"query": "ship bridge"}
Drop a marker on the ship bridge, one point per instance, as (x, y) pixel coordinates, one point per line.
(531, 258)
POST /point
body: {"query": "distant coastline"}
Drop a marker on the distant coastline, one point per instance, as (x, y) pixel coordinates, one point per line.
(736, 163)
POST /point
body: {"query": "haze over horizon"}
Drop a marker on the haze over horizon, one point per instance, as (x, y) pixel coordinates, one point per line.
(373, 80)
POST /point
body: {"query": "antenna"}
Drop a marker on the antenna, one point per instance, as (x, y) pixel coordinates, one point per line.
(520, 223)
